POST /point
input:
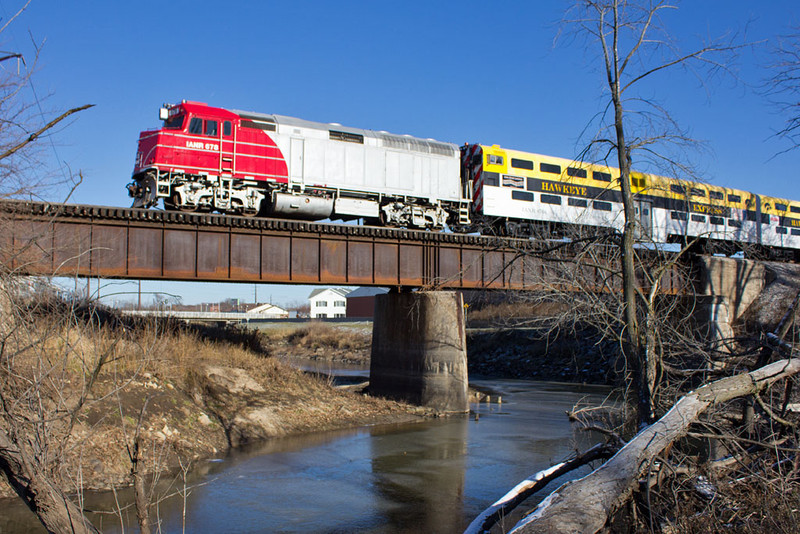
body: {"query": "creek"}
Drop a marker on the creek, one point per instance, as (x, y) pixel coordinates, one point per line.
(433, 476)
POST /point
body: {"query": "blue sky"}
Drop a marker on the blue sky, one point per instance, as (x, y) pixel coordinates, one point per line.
(454, 71)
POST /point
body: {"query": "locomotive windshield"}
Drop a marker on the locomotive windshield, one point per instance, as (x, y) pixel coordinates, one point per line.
(174, 122)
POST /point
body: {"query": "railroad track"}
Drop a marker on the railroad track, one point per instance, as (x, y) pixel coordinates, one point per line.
(31, 209)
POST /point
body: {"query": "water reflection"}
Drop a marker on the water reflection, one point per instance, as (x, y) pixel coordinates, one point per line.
(421, 472)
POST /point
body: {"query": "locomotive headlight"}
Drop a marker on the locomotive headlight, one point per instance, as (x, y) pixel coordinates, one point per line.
(163, 114)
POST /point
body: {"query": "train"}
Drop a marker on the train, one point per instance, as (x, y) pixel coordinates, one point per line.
(206, 158)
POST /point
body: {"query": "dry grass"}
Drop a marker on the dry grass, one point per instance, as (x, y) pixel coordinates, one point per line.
(324, 336)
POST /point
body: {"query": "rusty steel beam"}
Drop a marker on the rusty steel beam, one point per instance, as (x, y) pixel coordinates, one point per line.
(71, 240)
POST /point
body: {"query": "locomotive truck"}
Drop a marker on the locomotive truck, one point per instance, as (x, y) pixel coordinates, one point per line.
(206, 158)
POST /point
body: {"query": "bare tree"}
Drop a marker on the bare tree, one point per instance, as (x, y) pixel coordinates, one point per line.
(36, 357)
(783, 87)
(23, 124)
(634, 48)
(581, 284)
(37, 410)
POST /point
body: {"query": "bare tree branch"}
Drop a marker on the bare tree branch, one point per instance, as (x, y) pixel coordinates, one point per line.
(35, 135)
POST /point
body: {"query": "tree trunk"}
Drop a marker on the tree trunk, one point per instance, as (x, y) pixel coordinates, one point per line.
(636, 353)
(53, 508)
(584, 505)
(140, 495)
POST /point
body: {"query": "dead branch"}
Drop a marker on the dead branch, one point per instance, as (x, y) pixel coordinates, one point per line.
(772, 415)
(775, 339)
(775, 444)
(35, 135)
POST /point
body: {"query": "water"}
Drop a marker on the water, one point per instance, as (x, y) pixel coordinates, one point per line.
(433, 476)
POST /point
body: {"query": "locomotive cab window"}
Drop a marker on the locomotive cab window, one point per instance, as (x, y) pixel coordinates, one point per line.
(227, 128)
(174, 123)
(196, 126)
(211, 128)
(494, 159)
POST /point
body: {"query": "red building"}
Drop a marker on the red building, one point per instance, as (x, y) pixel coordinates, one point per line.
(361, 302)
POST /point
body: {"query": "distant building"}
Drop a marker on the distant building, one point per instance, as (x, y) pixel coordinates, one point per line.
(328, 302)
(361, 302)
(270, 311)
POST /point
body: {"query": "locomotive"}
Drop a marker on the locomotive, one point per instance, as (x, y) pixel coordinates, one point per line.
(205, 158)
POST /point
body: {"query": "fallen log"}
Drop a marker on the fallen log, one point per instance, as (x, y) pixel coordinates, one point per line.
(487, 519)
(584, 505)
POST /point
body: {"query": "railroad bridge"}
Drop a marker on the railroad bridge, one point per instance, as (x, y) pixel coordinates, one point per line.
(419, 346)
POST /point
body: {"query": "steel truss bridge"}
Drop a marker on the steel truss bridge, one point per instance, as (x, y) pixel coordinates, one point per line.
(39, 238)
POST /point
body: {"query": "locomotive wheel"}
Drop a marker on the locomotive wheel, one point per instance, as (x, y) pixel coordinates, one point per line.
(174, 204)
(239, 210)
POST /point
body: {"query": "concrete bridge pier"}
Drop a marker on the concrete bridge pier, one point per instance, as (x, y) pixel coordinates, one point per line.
(727, 287)
(419, 349)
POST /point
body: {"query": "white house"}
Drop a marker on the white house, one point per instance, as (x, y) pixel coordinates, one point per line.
(328, 302)
(270, 311)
